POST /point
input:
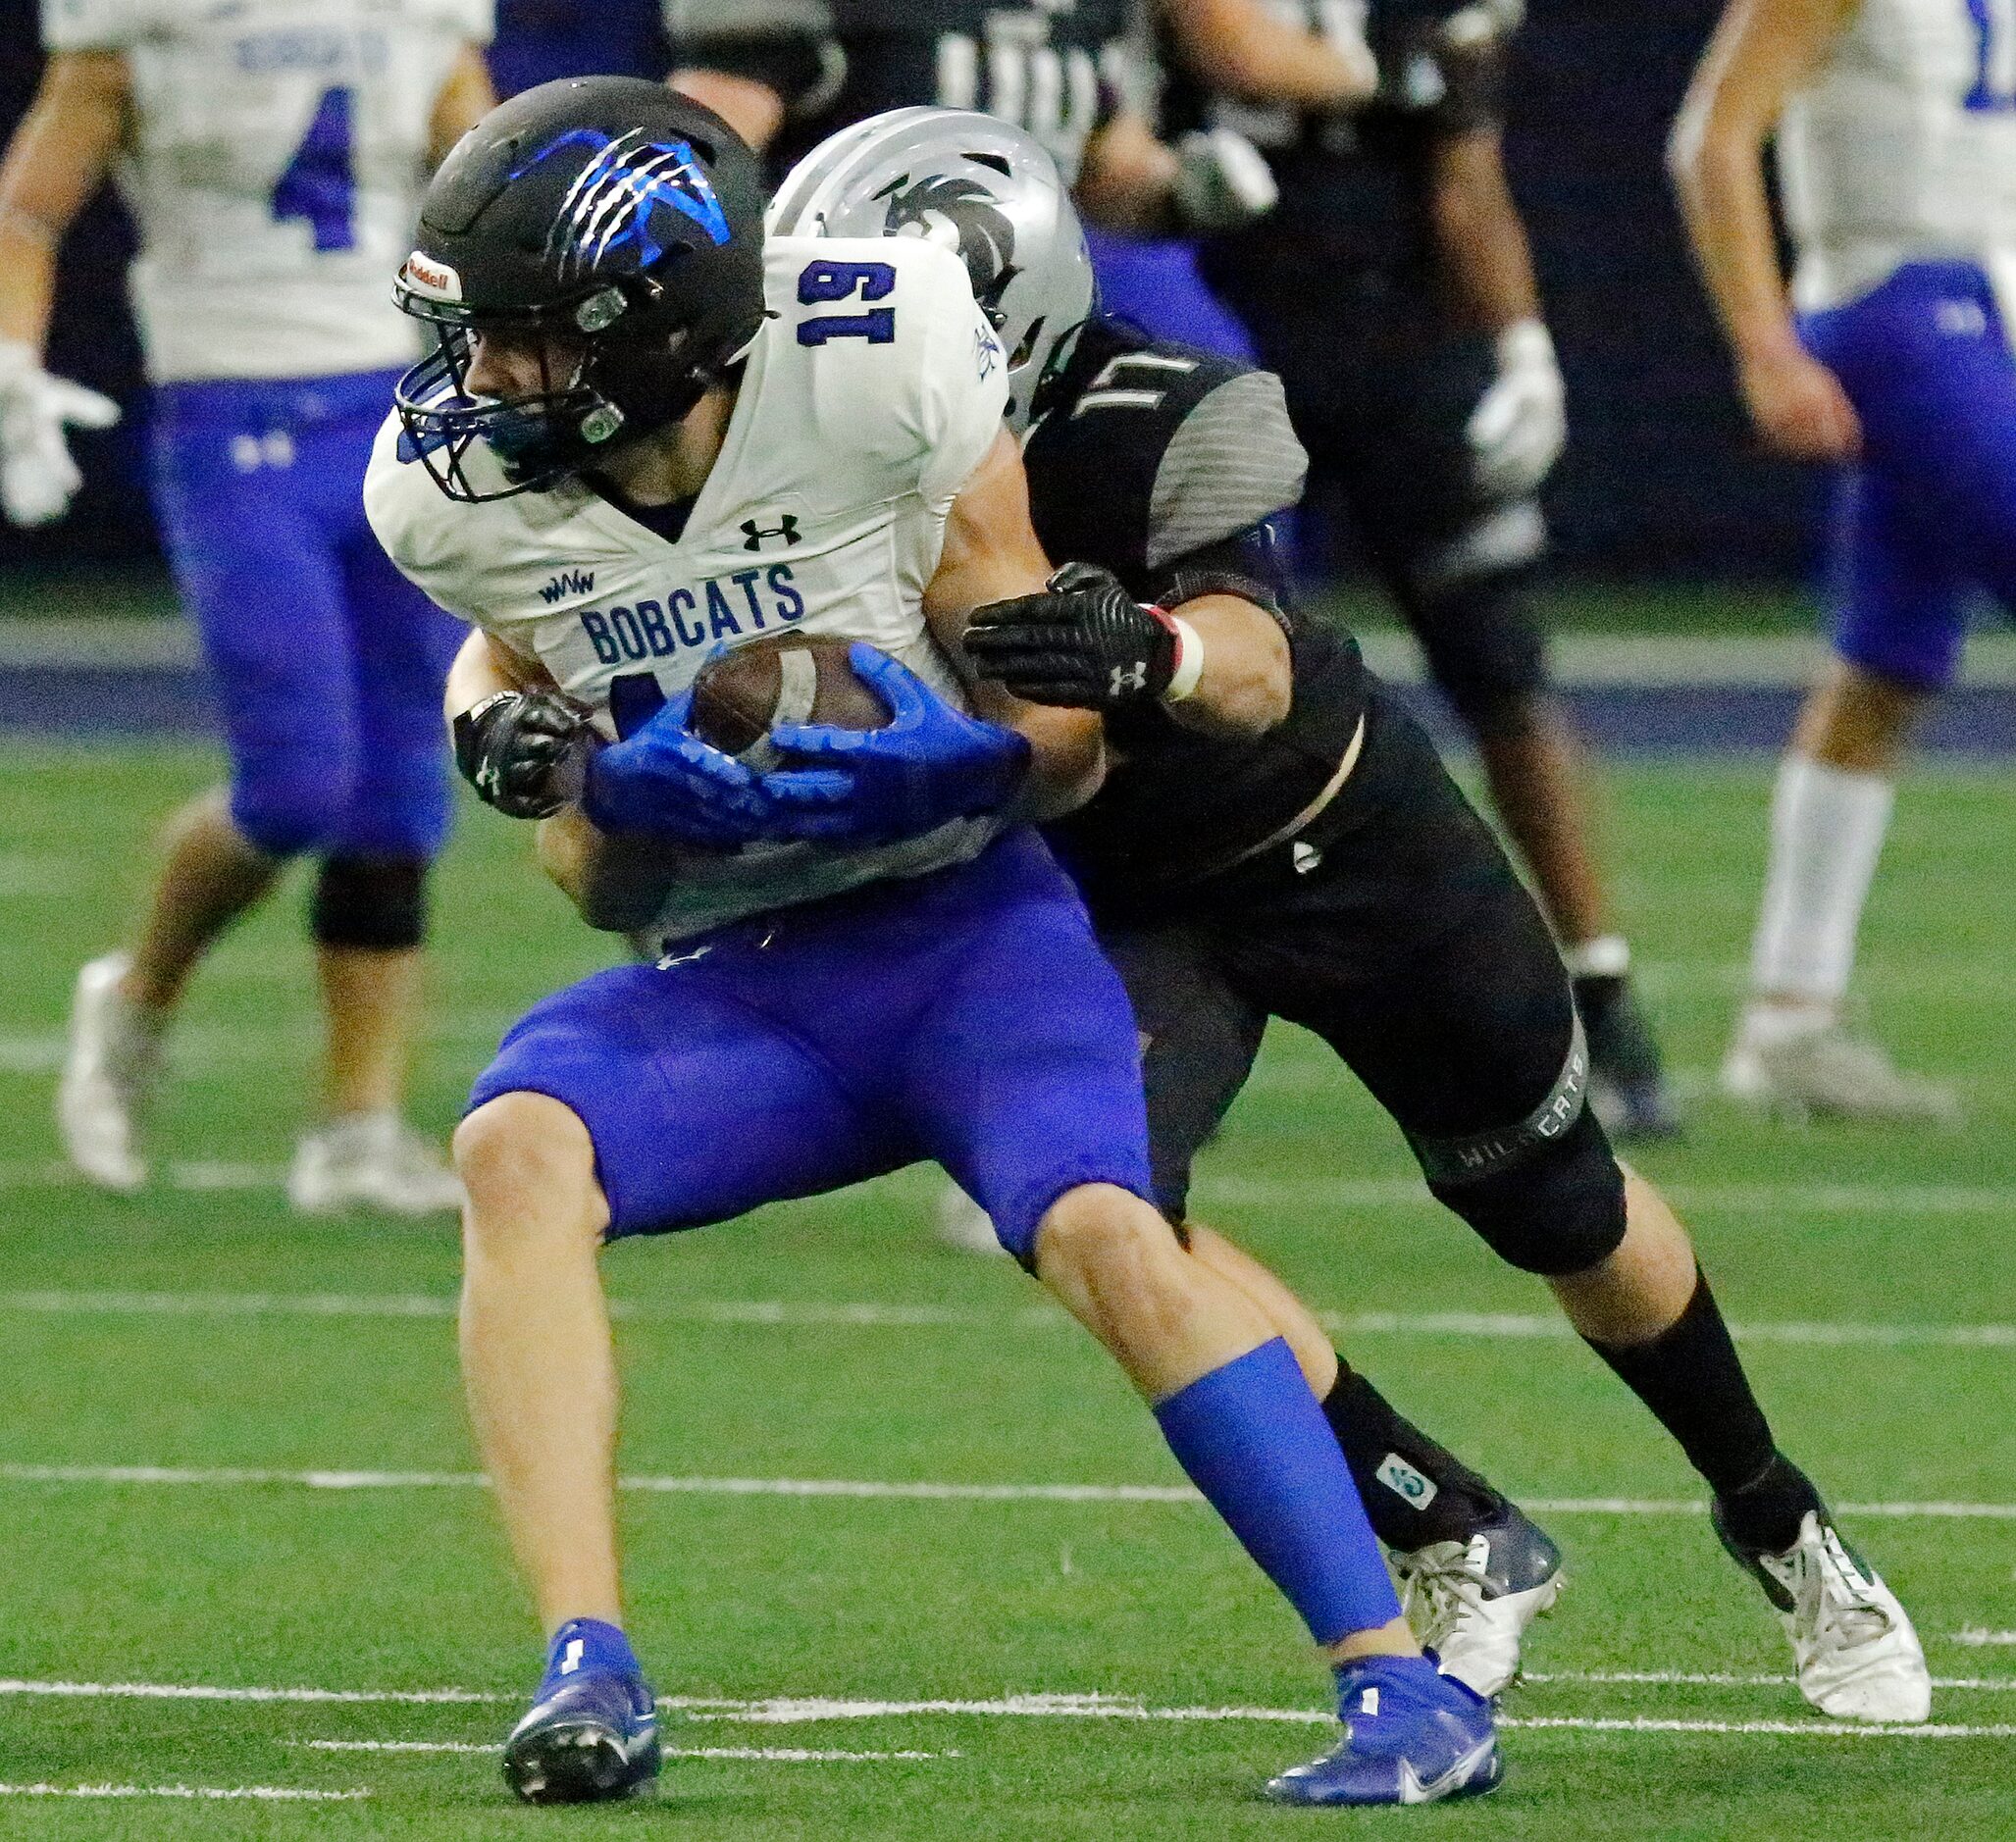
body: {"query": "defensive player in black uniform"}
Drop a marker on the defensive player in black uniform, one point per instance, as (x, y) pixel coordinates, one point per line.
(1392, 290)
(788, 74)
(1277, 838)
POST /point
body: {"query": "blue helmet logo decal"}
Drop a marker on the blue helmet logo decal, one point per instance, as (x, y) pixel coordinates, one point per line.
(618, 199)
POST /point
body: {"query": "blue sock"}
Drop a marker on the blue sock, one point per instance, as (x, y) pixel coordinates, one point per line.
(1257, 1445)
(587, 1645)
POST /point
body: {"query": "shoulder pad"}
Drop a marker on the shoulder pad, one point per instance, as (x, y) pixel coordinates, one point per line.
(1232, 462)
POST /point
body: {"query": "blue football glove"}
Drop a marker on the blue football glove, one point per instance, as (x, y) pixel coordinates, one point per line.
(929, 764)
(662, 781)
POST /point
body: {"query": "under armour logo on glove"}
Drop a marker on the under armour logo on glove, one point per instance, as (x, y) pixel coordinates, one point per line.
(1084, 642)
(756, 536)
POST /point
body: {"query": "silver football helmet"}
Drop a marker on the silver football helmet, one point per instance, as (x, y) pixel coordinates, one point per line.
(979, 187)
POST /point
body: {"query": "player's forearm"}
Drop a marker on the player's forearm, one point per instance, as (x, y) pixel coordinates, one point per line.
(617, 885)
(1067, 758)
(57, 159)
(1248, 683)
(474, 673)
(1128, 179)
(1760, 52)
(27, 284)
(1720, 184)
(1479, 236)
(1243, 49)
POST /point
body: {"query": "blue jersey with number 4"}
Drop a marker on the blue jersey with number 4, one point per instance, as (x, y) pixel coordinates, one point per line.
(273, 169)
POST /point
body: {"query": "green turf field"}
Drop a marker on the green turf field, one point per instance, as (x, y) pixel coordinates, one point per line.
(201, 1332)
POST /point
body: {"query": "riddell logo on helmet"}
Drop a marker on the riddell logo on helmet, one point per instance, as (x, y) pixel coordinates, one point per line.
(433, 277)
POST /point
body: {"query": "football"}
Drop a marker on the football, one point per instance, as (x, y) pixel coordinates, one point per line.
(792, 678)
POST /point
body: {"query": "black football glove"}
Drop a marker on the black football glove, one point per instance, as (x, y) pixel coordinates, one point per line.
(1084, 642)
(519, 748)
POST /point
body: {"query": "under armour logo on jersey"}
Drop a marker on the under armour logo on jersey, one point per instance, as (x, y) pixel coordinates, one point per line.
(1369, 1701)
(1306, 857)
(570, 1657)
(756, 536)
(1127, 679)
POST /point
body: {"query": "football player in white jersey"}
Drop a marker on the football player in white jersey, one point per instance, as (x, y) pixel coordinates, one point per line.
(649, 436)
(271, 152)
(1896, 135)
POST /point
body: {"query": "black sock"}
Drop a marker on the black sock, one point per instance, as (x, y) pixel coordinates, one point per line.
(1415, 1492)
(1691, 1377)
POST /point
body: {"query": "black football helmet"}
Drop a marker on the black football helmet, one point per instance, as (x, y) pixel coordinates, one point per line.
(605, 209)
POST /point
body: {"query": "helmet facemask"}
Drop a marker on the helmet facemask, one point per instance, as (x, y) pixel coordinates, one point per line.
(621, 386)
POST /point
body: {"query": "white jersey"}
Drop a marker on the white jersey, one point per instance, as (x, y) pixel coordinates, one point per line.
(277, 152)
(859, 419)
(1903, 146)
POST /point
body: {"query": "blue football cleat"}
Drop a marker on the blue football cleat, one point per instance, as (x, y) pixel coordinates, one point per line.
(592, 1733)
(1411, 1736)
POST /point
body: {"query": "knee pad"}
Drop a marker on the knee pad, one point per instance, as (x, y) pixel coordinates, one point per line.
(1469, 603)
(375, 902)
(1558, 1210)
(1483, 648)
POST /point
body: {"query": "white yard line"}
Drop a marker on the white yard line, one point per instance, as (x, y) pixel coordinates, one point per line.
(871, 1314)
(233, 1477)
(1792, 1729)
(772, 1755)
(190, 1792)
(1723, 1678)
(1980, 1639)
(783, 1712)
(210, 1692)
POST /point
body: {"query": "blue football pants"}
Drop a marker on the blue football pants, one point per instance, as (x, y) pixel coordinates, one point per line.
(328, 664)
(1926, 519)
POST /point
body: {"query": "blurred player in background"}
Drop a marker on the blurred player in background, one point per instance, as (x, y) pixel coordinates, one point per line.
(1277, 837)
(271, 153)
(1392, 290)
(1896, 139)
(1237, 48)
(786, 77)
(712, 437)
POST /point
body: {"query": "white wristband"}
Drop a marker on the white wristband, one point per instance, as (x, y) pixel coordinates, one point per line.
(1189, 661)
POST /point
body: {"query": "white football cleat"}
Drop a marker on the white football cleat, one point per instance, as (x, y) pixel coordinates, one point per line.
(1470, 1601)
(109, 1071)
(964, 1224)
(370, 1160)
(1855, 1651)
(1829, 1073)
